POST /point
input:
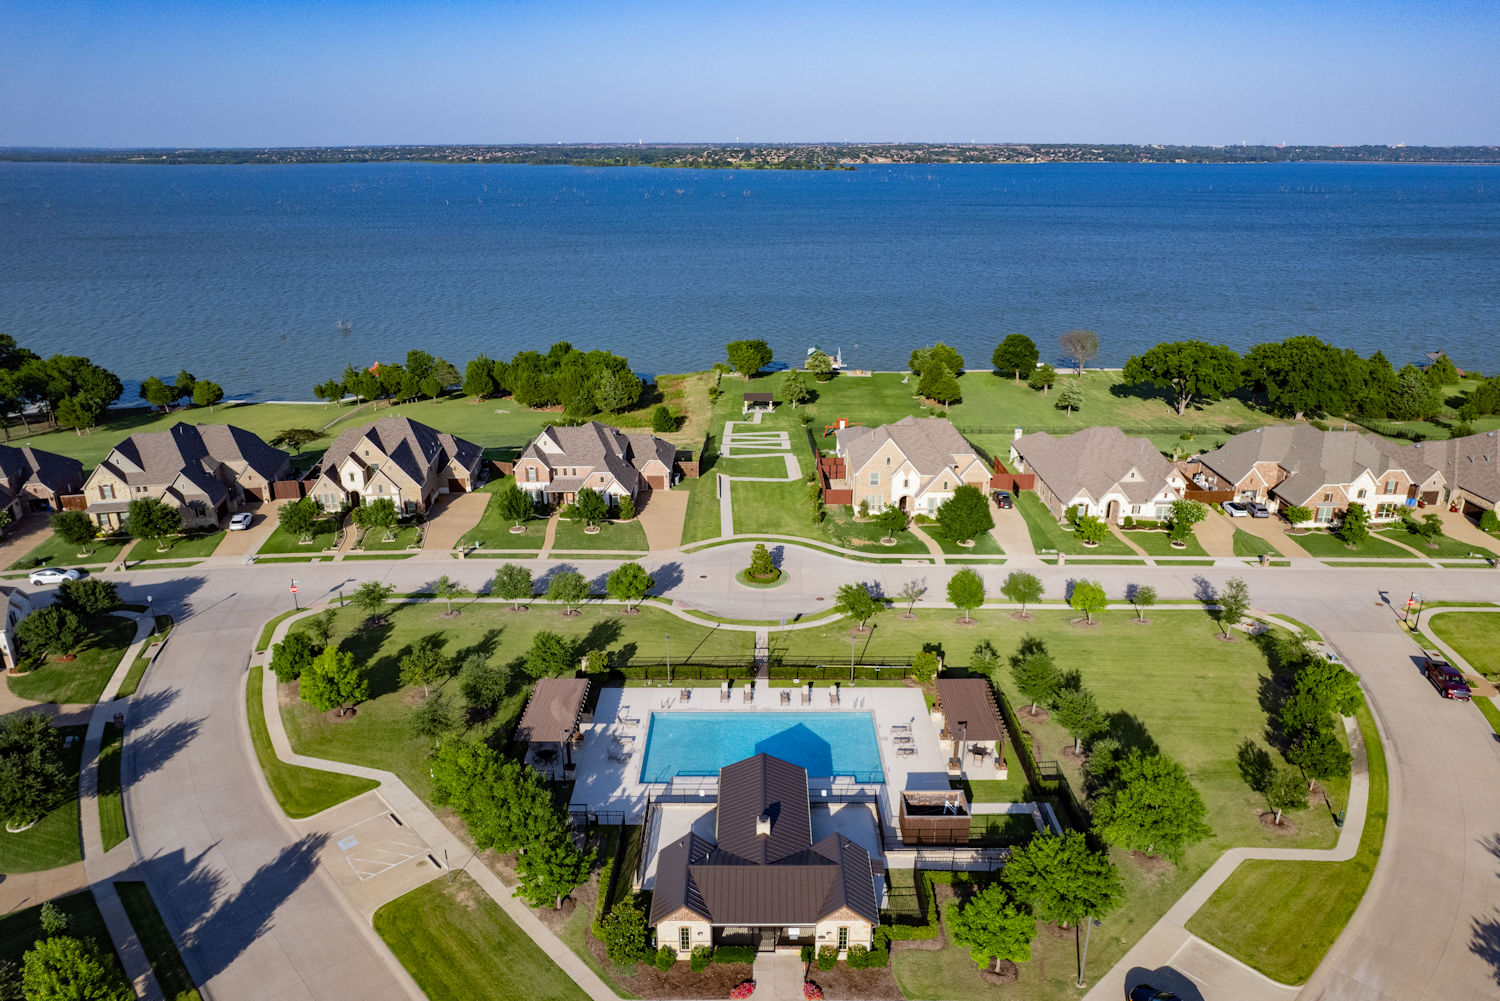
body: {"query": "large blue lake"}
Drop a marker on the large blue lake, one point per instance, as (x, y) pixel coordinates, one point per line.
(242, 274)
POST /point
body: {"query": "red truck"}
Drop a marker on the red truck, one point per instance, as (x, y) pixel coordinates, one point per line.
(1449, 683)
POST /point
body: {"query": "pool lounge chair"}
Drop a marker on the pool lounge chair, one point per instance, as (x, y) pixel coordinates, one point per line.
(724, 692)
(901, 740)
(900, 728)
(749, 691)
(786, 696)
(686, 695)
(620, 752)
(807, 694)
(833, 695)
(624, 720)
(906, 749)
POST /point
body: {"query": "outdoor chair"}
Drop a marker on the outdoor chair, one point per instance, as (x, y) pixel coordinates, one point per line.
(900, 728)
(901, 740)
(807, 694)
(618, 752)
(786, 697)
(724, 692)
(686, 695)
(906, 749)
(749, 691)
(624, 720)
(833, 695)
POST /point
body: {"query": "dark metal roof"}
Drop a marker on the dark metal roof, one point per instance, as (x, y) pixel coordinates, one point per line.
(552, 712)
(760, 397)
(763, 785)
(970, 700)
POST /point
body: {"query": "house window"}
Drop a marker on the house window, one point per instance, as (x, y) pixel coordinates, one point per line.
(1163, 512)
(1328, 498)
(843, 939)
(684, 942)
(1325, 514)
(1135, 509)
(380, 488)
(106, 491)
(530, 474)
(888, 460)
(1361, 494)
(1390, 486)
(874, 479)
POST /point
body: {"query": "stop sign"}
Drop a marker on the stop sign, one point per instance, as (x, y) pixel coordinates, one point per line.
(294, 588)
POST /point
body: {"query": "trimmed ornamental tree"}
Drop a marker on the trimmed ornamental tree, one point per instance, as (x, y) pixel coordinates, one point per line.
(630, 583)
(966, 591)
(1078, 712)
(50, 630)
(662, 421)
(625, 508)
(1070, 399)
(924, 666)
(32, 777)
(748, 356)
(1234, 602)
(1355, 526)
(549, 655)
(90, 595)
(1017, 353)
(207, 393)
(1042, 378)
(1062, 879)
(993, 927)
(623, 932)
(551, 868)
(794, 388)
(513, 583)
(1192, 371)
(1088, 597)
(1022, 588)
(891, 520)
(299, 519)
(1089, 529)
(856, 601)
(422, 663)
(1185, 514)
(514, 505)
(1296, 514)
(1284, 791)
(965, 515)
(590, 507)
(75, 528)
(1150, 806)
(149, 518)
(570, 588)
(761, 565)
(1142, 596)
(63, 968)
(291, 656)
(371, 597)
(334, 681)
(381, 514)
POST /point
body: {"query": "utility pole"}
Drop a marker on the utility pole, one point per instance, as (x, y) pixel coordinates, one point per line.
(1088, 926)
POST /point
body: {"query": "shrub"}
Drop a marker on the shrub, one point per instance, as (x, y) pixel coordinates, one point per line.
(858, 957)
(828, 957)
(665, 957)
(807, 954)
(662, 421)
(93, 595)
(1490, 521)
(734, 954)
(624, 929)
(626, 510)
(1129, 521)
(924, 666)
(702, 956)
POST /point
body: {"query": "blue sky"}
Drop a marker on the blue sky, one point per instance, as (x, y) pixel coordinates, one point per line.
(324, 72)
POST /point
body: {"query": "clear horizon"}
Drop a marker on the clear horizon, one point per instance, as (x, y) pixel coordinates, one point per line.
(280, 73)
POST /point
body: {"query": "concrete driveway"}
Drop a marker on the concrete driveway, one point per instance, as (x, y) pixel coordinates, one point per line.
(1010, 531)
(251, 539)
(1216, 533)
(22, 537)
(1272, 529)
(662, 517)
(1457, 526)
(453, 516)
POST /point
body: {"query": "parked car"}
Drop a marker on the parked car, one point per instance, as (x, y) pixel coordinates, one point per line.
(54, 575)
(1235, 509)
(1449, 683)
(1145, 992)
(1002, 499)
(241, 521)
(1258, 510)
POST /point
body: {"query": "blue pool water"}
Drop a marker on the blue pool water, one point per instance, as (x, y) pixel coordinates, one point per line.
(701, 743)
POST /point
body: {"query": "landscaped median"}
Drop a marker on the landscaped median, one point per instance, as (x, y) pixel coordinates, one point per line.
(301, 792)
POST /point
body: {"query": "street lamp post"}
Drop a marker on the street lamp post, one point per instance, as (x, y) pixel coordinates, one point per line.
(852, 640)
(669, 657)
(1088, 926)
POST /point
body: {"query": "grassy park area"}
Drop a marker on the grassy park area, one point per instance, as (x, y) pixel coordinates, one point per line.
(301, 792)
(451, 936)
(1474, 635)
(82, 679)
(156, 942)
(53, 840)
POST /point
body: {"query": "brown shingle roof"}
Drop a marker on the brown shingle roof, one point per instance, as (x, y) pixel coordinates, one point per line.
(1092, 461)
(930, 444)
(972, 701)
(410, 445)
(553, 709)
(599, 446)
(1470, 463)
(1314, 458)
(194, 452)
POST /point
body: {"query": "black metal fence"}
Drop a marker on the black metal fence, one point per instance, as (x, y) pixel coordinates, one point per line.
(733, 668)
(1046, 777)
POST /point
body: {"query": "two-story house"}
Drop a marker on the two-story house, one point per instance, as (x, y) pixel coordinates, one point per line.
(1101, 471)
(915, 464)
(564, 460)
(397, 459)
(34, 480)
(205, 471)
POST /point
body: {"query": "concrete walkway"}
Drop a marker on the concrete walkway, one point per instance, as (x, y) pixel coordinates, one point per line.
(549, 535)
(931, 543)
(752, 445)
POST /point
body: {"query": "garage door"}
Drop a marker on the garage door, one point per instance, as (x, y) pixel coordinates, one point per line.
(457, 486)
(656, 482)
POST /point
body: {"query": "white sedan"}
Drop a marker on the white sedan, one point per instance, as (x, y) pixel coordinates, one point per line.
(241, 521)
(1235, 509)
(54, 575)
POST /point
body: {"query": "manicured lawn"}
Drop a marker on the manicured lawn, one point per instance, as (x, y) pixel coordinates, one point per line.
(53, 551)
(268, 630)
(178, 547)
(613, 536)
(81, 680)
(1246, 544)
(161, 952)
(111, 803)
(1443, 547)
(768, 466)
(52, 841)
(19, 930)
(1326, 544)
(840, 525)
(1012, 789)
(984, 545)
(774, 509)
(1282, 917)
(403, 537)
(1046, 533)
(1489, 712)
(1157, 544)
(1474, 635)
(279, 541)
(451, 936)
(301, 792)
(379, 735)
(493, 531)
(702, 518)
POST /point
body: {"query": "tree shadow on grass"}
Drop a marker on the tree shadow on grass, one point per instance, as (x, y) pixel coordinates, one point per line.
(485, 646)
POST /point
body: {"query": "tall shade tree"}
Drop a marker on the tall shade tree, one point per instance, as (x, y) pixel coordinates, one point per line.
(1034, 673)
(149, 518)
(1062, 879)
(856, 601)
(923, 359)
(479, 378)
(422, 663)
(64, 968)
(1302, 376)
(794, 388)
(992, 926)
(568, 587)
(514, 504)
(548, 656)
(1042, 378)
(1150, 806)
(1354, 528)
(75, 528)
(207, 393)
(590, 507)
(334, 681)
(32, 777)
(513, 583)
(966, 515)
(551, 868)
(380, 513)
(295, 439)
(966, 591)
(820, 365)
(1077, 711)
(1185, 514)
(371, 598)
(184, 384)
(299, 519)
(156, 392)
(1017, 354)
(1192, 371)
(89, 595)
(891, 520)
(939, 383)
(1088, 597)
(630, 583)
(1079, 345)
(1319, 754)
(1023, 588)
(50, 630)
(748, 356)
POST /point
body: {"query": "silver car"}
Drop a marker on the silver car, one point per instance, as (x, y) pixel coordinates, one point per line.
(54, 575)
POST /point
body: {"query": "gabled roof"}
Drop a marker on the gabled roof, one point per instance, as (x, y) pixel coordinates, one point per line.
(598, 446)
(763, 785)
(194, 452)
(1094, 460)
(20, 466)
(412, 447)
(1470, 463)
(1314, 458)
(930, 444)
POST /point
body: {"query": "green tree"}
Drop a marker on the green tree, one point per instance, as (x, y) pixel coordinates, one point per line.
(513, 583)
(63, 968)
(290, 657)
(371, 597)
(295, 439)
(1090, 529)
(1079, 345)
(299, 519)
(1022, 588)
(445, 589)
(1441, 372)
(910, 592)
(616, 392)
(748, 356)
(320, 626)
(1284, 791)
(1304, 376)
(157, 393)
(891, 520)
(1078, 712)
(479, 378)
(590, 507)
(551, 868)
(1088, 597)
(625, 509)
(623, 932)
(422, 663)
(569, 587)
(149, 518)
(965, 515)
(1489, 521)
(923, 359)
(184, 384)
(1061, 879)
(54, 920)
(1017, 353)
(505, 804)
(820, 365)
(939, 383)
(1319, 754)
(432, 718)
(90, 595)
(50, 630)
(1296, 514)
(1413, 398)
(761, 565)
(856, 601)
(795, 388)
(330, 391)
(992, 926)
(32, 777)
(1185, 514)
(334, 681)
(482, 684)
(1233, 602)
(662, 421)
(1355, 526)
(514, 504)
(966, 591)
(207, 394)
(924, 666)
(1142, 596)
(549, 655)
(1042, 378)
(1151, 807)
(75, 528)
(1070, 399)
(380, 513)
(629, 582)
(1193, 371)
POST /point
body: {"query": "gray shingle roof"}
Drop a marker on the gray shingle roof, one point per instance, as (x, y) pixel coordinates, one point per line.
(1470, 463)
(1314, 458)
(598, 446)
(193, 452)
(24, 465)
(410, 445)
(931, 444)
(1092, 461)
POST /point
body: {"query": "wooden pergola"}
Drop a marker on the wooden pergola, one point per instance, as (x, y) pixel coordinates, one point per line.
(971, 718)
(553, 714)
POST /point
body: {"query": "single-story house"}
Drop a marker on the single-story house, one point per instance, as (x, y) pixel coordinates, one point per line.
(34, 480)
(395, 458)
(915, 464)
(1101, 471)
(564, 460)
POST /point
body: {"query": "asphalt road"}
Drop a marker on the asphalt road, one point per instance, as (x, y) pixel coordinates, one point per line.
(258, 919)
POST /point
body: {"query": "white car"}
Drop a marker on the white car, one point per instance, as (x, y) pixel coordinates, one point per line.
(1235, 509)
(241, 521)
(54, 575)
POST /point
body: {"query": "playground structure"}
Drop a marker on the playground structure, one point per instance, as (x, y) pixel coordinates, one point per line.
(843, 422)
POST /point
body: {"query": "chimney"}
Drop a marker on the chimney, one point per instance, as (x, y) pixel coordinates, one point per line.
(763, 826)
(1016, 434)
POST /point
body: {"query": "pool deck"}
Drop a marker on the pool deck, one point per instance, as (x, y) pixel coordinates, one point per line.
(622, 720)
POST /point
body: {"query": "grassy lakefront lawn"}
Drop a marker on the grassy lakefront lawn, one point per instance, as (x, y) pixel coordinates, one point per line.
(54, 839)
(82, 679)
(1474, 635)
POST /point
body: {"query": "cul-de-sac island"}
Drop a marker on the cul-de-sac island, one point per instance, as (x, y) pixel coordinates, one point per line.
(530, 678)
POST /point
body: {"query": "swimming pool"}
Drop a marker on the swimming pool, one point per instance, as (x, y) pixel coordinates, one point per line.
(826, 744)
